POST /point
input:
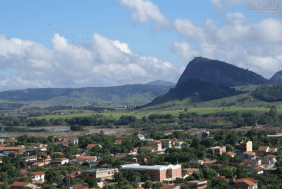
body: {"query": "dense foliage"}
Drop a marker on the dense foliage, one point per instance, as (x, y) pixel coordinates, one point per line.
(269, 93)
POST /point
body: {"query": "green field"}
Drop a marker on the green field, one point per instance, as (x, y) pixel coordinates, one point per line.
(140, 113)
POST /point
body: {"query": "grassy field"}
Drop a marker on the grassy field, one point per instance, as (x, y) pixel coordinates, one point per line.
(140, 113)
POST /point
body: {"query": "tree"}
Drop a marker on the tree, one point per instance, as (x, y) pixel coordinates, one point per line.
(157, 185)
(25, 179)
(148, 184)
(209, 173)
(52, 176)
(220, 183)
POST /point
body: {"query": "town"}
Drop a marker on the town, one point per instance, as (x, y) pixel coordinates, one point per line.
(155, 160)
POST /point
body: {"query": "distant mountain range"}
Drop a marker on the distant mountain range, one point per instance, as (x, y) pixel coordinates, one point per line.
(220, 73)
(161, 83)
(97, 96)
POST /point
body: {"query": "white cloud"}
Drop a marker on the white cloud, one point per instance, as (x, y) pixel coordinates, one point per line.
(238, 41)
(145, 11)
(99, 63)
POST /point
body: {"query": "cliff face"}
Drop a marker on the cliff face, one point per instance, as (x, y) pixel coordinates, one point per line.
(219, 73)
(276, 78)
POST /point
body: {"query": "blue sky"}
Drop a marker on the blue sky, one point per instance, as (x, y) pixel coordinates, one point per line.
(110, 42)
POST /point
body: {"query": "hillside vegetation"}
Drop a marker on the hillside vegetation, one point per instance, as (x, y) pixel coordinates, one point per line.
(197, 91)
(269, 93)
(107, 96)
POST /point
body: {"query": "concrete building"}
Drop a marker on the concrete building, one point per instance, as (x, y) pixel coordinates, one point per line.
(37, 177)
(246, 146)
(103, 173)
(198, 184)
(161, 173)
(217, 150)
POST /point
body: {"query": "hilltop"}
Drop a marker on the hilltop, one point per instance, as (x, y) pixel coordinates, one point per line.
(161, 83)
(220, 73)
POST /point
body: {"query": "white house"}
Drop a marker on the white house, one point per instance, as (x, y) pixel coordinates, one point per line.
(60, 161)
(37, 177)
(271, 158)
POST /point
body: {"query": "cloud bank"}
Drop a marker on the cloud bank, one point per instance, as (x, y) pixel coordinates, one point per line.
(102, 62)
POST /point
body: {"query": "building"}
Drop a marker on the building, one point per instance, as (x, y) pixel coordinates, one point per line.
(232, 154)
(60, 161)
(271, 158)
(245, 184)
(37, 177)
(7, 150)
(246, 146)
(198, 184)
(161, 173)
(248, 155)
(103, 173)
(19, 185)
(90, 146)
(200, 134)
(29, 159)
(262, 149)
(81, 159)
(216, 151)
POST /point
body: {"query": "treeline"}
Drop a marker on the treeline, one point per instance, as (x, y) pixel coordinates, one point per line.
(185, 120)
(268, 93)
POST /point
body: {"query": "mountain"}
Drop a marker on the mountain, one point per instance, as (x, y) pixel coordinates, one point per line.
(219, 73)
(161, 83)
(197, 91)
(276, 78)
(98, 96)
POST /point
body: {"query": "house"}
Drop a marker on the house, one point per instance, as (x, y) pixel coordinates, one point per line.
(44, 158)
(19, 185)
(37, 177)
(262, 149)
(7, 150)
(60, 161)
(166, 143)
(201, 162)
(246, 146)
(81, 159)
(271, 158)
(104, 173)
(161, 173)
(245, 184)
(217, 150)
(198, 184)
(273, 149)
(79, 186)
(74, 141)
(90, 146)
(74, 174)
(29, 159)
(8, 141)
(232, 154)
(188, 171)
(37, 164)
(200, 134)
(258, 170)
(176, 143)
(140, 136)
(248, 155)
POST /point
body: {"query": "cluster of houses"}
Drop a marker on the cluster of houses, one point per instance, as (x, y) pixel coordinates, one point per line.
(254, 161)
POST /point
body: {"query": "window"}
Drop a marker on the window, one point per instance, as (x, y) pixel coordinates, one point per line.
(175, 174)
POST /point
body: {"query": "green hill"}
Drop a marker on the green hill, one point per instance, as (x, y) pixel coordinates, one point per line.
(220, 73)
(98, 96)
(196, 91)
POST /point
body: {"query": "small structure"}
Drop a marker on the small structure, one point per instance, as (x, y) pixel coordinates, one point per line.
(103, 173)
(200, 134)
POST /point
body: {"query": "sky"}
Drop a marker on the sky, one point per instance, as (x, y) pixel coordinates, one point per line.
(96, 43)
